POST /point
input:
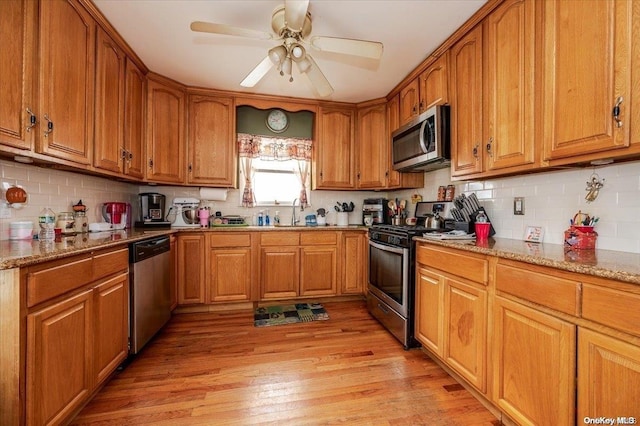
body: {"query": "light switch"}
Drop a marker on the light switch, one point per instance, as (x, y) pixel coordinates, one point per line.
(518, 206)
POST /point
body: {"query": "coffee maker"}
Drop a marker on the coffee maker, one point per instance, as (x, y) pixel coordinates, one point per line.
(377, 209)
(151, 210)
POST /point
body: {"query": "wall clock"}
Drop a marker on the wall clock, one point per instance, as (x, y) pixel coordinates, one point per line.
(277, 121)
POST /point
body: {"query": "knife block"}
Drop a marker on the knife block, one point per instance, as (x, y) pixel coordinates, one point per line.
(469, 227)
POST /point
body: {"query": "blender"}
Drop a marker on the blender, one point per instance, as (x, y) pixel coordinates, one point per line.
(184, 212)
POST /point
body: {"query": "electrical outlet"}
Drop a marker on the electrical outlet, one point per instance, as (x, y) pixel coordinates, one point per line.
(5, 212)
(518, 206)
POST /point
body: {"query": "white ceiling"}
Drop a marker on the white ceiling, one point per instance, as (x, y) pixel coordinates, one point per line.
(158, 31)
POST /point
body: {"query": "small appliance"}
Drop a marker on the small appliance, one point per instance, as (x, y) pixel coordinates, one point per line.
(184, 212)
(152, 210)
(424, 143)
(117, 214)
(375, 211)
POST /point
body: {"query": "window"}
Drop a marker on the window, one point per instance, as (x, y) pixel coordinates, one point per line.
(275, 182)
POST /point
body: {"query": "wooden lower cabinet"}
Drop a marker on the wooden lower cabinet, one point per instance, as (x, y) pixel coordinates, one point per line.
(230, 274)
(173, 272)
(59, 359)
(429, 310)
(191, 268)
(354, 263)
(534, 356)
(279, 272)
(318, 270)
(608, 377)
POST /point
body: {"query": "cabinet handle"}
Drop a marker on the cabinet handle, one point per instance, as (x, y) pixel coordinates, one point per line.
(415, 109)
(150, 163)
(489, 147)
(616, 111)
(475, 150)
(32, 120)
(130, 157)
(190, 168)
(358, 175)
(320, 174)
(123, 153)
(421, 105)
(49, 126)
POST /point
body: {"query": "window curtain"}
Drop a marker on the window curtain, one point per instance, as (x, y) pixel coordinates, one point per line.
(248, 149)
(274, 149)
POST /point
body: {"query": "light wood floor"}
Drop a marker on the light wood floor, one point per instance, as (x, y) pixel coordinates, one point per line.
(217, 368)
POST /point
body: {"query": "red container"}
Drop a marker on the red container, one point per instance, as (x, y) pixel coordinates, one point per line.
(482, 230)
(580, 238)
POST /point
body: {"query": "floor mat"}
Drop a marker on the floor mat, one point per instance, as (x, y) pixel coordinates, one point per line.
(266, 316)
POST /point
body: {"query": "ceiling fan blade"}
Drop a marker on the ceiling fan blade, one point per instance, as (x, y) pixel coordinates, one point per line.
(348, 46)
(209, 27)
(318, 79)
(257, 73)
(295, 12)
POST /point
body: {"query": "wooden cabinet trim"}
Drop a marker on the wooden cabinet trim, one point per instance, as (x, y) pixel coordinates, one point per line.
(467, 265)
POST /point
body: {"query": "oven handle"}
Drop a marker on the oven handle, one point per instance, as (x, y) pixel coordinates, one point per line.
(382, 247)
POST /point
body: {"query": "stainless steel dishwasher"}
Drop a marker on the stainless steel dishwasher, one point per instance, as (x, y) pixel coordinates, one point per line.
(150, 290)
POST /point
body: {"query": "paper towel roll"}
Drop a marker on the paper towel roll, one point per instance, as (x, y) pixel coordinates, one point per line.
(213, 194)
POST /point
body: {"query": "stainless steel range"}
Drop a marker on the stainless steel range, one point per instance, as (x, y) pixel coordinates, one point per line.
(390, 298)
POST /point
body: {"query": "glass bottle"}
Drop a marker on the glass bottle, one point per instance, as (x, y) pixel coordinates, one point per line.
(81, 223)
(47, 222)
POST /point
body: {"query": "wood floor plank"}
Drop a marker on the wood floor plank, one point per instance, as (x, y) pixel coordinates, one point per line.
(217, 368)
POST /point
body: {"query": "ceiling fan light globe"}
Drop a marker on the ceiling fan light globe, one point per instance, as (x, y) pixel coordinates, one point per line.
(297, 52)
(304, 65)
(277, 54)
(286, 66)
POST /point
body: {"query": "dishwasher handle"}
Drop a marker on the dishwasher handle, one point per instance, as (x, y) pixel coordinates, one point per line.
(145, 249)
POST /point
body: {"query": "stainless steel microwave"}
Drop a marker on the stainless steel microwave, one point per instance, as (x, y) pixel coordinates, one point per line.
(424, 143)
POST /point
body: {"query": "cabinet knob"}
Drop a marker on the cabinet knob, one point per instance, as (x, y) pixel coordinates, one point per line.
(190, 168)
(150, 163)
(489, 147)
(616, 111)
(32, 120)
(49, 128)
(123, 153)
(475, 150)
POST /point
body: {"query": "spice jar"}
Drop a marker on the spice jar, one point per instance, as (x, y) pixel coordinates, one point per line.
(66, 222)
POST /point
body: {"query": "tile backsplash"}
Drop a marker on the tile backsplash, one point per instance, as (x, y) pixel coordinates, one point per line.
(551, 199)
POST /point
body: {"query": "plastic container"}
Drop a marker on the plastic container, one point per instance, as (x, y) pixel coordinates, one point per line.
(22, 230)
(482, 230)
(575, 238)
(47, 222)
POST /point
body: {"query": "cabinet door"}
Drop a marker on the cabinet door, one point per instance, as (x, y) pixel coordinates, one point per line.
(17, 38)
(191, 269)
(608, 376)
(534, 365)
(318, 271)
(230, 274)
(67, 49)
(429, 310)
(135, 95)
(335, 150)
(108, 151)
(586, 69)
(165, 133)
(279, 272)
(465, 335)
(354, 263)
(434, 84)
(111, 324)
(510, 97)
(409, 98)
(58, 367)
(466, 104)
(173, 272)
(373, 166)
(212, 130)
(396, 179)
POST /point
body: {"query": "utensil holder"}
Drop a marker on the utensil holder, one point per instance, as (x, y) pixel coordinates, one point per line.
(342, 218)
(580, 238)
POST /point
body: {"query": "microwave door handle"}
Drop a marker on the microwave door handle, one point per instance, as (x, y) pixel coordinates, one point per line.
(422, 141)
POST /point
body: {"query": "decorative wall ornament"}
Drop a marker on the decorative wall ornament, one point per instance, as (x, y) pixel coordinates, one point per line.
(594, 184)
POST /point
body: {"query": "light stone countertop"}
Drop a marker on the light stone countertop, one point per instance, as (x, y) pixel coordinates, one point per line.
(615, 265)
(21, 253)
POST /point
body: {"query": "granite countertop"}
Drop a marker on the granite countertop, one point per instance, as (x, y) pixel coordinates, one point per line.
(616, 265)
(21, 253)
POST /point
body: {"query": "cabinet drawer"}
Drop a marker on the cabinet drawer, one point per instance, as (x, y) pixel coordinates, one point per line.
(280, 238)
(471, 266)
(48, 282)
(313, 238)
(535, 285)
(109, 263)
(230, 240)
(614, 308)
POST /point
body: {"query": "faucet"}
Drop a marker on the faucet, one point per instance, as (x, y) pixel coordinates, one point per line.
(293, 215)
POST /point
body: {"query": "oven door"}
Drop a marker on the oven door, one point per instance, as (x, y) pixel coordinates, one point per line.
(389, 275)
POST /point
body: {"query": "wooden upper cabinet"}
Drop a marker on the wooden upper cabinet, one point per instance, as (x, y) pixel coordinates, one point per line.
(17, 38)
(509, 80)
(434, 84)
(586, 69)
(211, 141)
(466, 104)
(67, 74)
(165, 132)
(373, 165)
(634, 104)
(334, 154)
(108, 149)
(395, 179)
(409, 99)
(134, 119)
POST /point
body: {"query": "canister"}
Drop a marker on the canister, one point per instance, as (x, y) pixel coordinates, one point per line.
(21, 230)
(81, 223)
(65, 222)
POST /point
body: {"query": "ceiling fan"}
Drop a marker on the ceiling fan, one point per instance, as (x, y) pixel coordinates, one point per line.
(291, 24)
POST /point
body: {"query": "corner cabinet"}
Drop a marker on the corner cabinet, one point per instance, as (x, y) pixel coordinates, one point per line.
(165, 131)
(334, 154)
(212, 159)
(67, 75)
